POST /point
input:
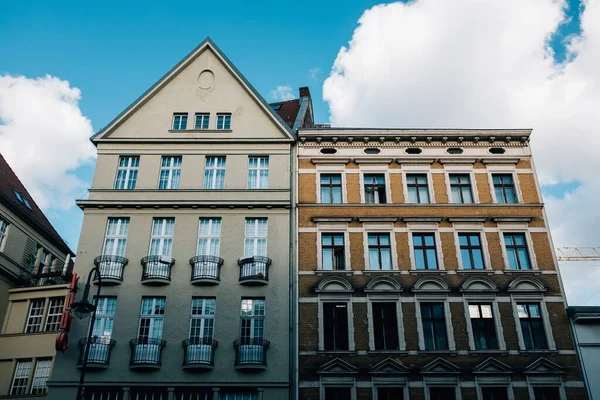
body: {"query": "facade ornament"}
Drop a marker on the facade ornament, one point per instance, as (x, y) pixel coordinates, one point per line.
(350, 139)
(492, 139)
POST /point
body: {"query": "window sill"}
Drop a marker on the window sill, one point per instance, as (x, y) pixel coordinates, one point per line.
(381, 272)
(475, 271)
(345, 272)
(428, 271)
(538, 351)
(522, 271)
(341, 352)
(437, 352)
(200, 130)
(383, 352)
(488, 352)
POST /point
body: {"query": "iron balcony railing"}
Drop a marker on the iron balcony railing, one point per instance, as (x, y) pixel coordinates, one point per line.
(111, 267)
(99, 352)
(251, 352)
(157, 267)
(199, 352)
(44, 275)
(146, 351)
(254, 268)
(205, 267)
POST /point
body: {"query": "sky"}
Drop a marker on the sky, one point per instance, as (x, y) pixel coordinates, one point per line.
(423, 64)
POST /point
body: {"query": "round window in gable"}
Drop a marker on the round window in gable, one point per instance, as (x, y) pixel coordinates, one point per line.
(497, 150)
(328, 150)
(413, 150)
(372, 150)
(454, 150)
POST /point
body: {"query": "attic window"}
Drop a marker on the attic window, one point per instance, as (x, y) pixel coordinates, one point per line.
(22, 199)
(372, 150)
(276, 107)
(413, 150)
(497, 150)
(455, 150)
(328, 150)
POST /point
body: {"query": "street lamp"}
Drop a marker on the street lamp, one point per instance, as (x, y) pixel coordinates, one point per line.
(81, 310)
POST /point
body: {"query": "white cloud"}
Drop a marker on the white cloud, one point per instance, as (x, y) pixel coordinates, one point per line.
(473, 64)
(282, 93)
(44, 137)
(313, 73)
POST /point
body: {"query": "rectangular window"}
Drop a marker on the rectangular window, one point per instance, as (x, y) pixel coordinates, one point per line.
(55, 309)
(237, 396)
(209, 237)
(223, 121)
(21, 378)
(255, 243)
(202, 320)
(190, 393)
(40, 376)
(385, 326)
(335, 329)
(494, 393)
(105, 318)
(331, 188)
(127, 173)
(106, 393)
(202, 120)
(380, 251)
(152, 318)
(115, 240)
(517, 251)
(170, 173)
(546, 393)
(390, 393)
(338, 393)
(504, 187)
(417, 187)
(484, 328)
(161, 240)
(471, 252)
(425, 251)
(214, 173)
(442, 393)
(146, 393)
(252, 320)
(460, 187)
(3, 228)
(258, 172)
(36, 312)
(332, 248)
(374, 188)
(179, 122)
(434, 326)
(532, 326)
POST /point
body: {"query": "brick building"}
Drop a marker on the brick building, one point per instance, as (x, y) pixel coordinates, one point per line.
(426, 270)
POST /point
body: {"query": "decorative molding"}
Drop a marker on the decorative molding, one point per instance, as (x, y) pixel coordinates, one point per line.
(383, 285)
(337, 366)
(329, 160)
(512, 219)
(389, 366)
(430, 284)
(492, 366)
(415, 160)
(331, 219)
(422, 219)
(373, 160)
(478, 284)
(526, 284)
(458, 160)
(501, 160)
(334, 284)
(441, 367)
(466, 219)
(543, 366)
(377, 219)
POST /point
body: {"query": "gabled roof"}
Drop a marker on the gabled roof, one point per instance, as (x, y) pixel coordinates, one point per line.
(337, 366)
(207, 43)
(287, 110)
(9, 182)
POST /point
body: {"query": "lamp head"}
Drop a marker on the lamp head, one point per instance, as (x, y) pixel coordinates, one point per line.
(82, 309)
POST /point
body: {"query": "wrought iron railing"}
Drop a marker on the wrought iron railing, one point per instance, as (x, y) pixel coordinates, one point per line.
(251, 351)
(43, 275)
(254, 268)
(206, 267)
(99, 352)
(146, 351)
(111, 267)
(199, 351)
(157, 267)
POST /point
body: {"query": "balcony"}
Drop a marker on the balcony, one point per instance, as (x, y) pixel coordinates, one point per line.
(251, 353)
(254, 270)
(199, 353)
(111, 269)
(45, 275)
(98, 354)
(157, 270)
(206, 270)
(146, 353)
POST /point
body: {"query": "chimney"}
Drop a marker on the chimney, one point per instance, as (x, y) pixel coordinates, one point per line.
(304, 92)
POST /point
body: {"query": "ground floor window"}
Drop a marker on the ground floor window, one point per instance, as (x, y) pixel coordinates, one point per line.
(338, 393)
(149, 393)
(102, 393)
(494, 393)
(390, 393)
(442, 393)
(546, 393)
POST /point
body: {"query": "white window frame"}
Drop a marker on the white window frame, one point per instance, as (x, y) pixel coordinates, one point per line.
(375, 170)
(380, 228)
(332, 170)
(179, 128)
(392, 381)
(171, 169)
(442, 381)
(339, 382)
(21, 373)
(425, 227)
(464, 170)
(202, 116)
(532, 298)
(213, 235)
(129, 171)
(56, 306)
(253, 317)
(203, 317)
(153, 318)
(517, 228)
(224, 115)
(255, 236)
(43, 369)
(434, 298)
(103, 316)
(385, 298)
(481, 298)
(4, 227)
(504, 169)
(343, 229)
(417, 169)
(213, 172)
(30, 317)
(336, 298)
(494, 381)
(162, 237)
(459, 228)
(550, 381)
(260, 169)
(122, 231)
(237, 395)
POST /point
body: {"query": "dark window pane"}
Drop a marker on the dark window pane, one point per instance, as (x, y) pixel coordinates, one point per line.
(335, 329)
(442, 393)
(494, 393)
(385, 326)
(546, 393)
(434, 326)
(390, 393)
(336, 393)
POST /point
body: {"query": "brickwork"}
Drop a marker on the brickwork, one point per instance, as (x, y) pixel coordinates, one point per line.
(307, 192)
(353, 188)
(396, 188)
(528, 188)
(483, 188)
(439, 188)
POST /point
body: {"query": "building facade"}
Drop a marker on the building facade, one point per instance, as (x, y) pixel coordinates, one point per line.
(426, 269)
(189, 223)
(585, 325)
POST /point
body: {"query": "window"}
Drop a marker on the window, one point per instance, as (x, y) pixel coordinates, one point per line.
(202, 320)
(55, 309)
(546, 393)
(532, 326)
(374, 188)
(170, 173)
(147, 393)
(127, 173)
(21, 378)
(255, 243)
(258, 172)
(333, 252)
(338, 393)
(460, 186)
(202, 120)
(385, 326)
(191, 393)
(40, 377)
(223, 121)
(22, 199)
(36, 312)
(335, 329)
(484, 328)
(493, 393)
(151, 318)
(380, 251)
(442, 393)
(3, 228)
(209, 236)
(417, 188)
(425, 252)
(516, 251)
(471, 253)
(161, 240)
(434, 326)
(214, 173)
(115, 240)
(390, 393)
(252, 320)
(238, 396)
(105, 318)
(179, 122)
(331, 188)
(504, 187)
(106, 393)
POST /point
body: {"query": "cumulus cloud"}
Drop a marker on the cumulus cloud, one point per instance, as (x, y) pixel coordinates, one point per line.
(44, 137)
(282, 93)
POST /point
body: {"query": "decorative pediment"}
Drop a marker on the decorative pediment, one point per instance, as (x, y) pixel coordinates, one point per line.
(478, 284)
(430, 284)
(492, 366)
(337, 366)
(383, 285)
(334, 284)
(543, 366)
(440, 366)
(389, 366)
(526, 284)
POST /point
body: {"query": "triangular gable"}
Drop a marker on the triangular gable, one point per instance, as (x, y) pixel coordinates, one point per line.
(492, 366)
(389, 366)
(337, 366)
(544, 366)
(174, 72)
(440, 366)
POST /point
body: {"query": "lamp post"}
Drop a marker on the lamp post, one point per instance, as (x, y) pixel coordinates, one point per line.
(82, 309)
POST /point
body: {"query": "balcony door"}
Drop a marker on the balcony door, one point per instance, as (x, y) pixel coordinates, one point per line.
(202, 323)
(252, 325)
(149, 340)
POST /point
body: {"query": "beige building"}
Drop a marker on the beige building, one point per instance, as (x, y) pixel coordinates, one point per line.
(189, 222)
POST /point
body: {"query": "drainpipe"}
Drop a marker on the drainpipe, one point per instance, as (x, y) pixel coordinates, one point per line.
(292, 306)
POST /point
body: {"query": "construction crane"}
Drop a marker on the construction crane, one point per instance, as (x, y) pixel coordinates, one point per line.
(578, 253)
